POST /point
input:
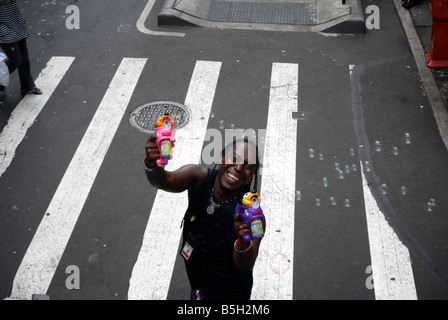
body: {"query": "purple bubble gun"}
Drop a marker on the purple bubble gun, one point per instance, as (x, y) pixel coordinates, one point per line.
(252, 215)
(165, 139)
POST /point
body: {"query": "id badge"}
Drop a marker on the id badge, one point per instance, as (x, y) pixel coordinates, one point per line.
(189, 248)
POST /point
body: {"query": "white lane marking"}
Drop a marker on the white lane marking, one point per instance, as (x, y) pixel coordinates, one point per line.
(144, 16)
(391, 264)
(273, 272)
(29, 108)
(153, 270)
(44, 253)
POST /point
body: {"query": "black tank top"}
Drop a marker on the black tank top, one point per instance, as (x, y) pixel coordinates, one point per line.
(211, 269)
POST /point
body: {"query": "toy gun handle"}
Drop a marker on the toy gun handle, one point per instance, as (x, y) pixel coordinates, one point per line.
(165, 138)
(254, 222)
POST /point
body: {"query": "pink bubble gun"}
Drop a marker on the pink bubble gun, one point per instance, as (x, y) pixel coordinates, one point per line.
(252, 215)
(165, 138)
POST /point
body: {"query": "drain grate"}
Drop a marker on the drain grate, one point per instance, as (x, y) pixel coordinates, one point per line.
(255, 12)
(144, 117)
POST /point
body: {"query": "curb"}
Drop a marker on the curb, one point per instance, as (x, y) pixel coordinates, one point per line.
(170, 16)
(351, 22)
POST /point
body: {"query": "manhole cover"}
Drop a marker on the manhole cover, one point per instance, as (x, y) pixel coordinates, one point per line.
(144, 117)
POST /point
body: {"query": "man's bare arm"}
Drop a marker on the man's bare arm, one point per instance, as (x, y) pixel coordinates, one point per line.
(188, 177)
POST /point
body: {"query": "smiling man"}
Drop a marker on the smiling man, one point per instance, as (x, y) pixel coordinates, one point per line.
(218, 261)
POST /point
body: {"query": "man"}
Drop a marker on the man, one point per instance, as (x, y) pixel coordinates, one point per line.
(13, 35)
(218, 261)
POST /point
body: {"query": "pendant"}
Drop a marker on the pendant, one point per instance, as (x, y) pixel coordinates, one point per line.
(211, 208)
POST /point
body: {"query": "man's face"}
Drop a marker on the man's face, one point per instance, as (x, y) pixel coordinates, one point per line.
(237, 166)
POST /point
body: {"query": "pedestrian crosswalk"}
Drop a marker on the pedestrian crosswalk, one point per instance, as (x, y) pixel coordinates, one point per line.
(152, 273)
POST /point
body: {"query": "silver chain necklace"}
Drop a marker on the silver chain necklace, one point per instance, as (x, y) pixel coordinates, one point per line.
(214, 205)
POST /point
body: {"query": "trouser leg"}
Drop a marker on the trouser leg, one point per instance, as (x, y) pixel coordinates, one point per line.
(19, 59)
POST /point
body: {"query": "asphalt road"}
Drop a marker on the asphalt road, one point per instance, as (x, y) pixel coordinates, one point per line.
(362, 107)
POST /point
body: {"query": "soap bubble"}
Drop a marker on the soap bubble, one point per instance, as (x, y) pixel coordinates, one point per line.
(280, 263)
(377, 146)
(336, 166)
(403, 190)
(197, 295)
(384, 189)
(368, 166)
(311, 153)
(347, 203)
(430, 205)
(407, 138)
(333, 201)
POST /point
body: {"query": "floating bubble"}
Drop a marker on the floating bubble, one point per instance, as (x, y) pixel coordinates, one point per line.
(333, 201)
(368, 166)
(430, 205)
(407, 138)
(347, 203)
(311, 153)
(396, 151)
(221, 124)
(325, 182)
(352, 152)
(321, 157)
(347, 168)
(403, 190)
(354, 167)
(280, 263)
(377, 146)
(384, 189)
(197, 295)
(317, 202)
(298, 195)
(232, 126)
(340, 174)
(336, 166)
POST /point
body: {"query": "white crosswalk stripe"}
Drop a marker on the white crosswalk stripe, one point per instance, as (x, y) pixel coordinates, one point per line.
(45, 251)
(152, 272)
(273, 274)
(29, 108)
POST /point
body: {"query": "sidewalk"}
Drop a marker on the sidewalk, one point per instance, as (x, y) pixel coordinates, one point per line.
(331, 16)
(421, 16)
(417, 24)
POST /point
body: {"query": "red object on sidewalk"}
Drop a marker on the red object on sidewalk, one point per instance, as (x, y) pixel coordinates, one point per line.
(437, 56)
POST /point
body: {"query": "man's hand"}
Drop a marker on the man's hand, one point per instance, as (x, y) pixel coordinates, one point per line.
(240, 227)
(152, 152)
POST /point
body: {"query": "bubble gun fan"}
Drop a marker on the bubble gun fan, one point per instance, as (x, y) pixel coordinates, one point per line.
(165, 138)
(252, 215)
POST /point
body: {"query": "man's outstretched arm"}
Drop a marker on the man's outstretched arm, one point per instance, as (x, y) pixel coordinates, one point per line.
(188, 177)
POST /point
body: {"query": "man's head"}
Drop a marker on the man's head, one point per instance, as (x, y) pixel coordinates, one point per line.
(239, 165)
